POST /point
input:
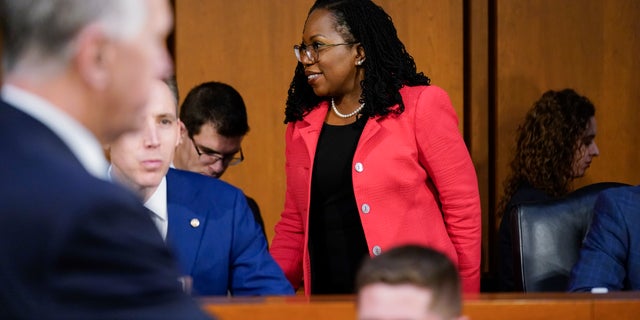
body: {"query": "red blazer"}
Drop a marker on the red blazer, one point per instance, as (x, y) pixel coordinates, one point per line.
(413, 179)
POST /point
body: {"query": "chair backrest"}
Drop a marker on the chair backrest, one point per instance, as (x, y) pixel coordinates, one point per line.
(547, 237)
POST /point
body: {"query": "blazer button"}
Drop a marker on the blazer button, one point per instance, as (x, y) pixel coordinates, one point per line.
(377, 250)
(365, 208)
(195, 222)
(359, 167)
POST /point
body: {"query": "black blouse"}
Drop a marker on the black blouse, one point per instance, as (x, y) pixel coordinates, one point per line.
(337, 244)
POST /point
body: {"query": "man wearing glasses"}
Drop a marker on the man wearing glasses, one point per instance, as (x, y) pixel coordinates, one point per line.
(215, 122)
(207, 222)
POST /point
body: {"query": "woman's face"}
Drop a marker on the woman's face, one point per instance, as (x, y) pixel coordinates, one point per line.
(334, 72)
(587, 149)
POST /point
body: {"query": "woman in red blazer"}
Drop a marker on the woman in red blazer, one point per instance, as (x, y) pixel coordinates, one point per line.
(374, 157)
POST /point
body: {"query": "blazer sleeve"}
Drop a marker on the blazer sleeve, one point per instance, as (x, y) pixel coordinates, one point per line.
(253, 270)
(287, 246)
(604, 252)
(444, 155)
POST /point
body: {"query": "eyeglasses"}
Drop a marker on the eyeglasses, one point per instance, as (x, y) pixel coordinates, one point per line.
(211, 157)
(311, 51)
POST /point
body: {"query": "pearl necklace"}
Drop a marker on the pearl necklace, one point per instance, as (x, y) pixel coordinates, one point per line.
(333, 106)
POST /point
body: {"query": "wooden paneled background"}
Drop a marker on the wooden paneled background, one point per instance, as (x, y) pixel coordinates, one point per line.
(248, 44)
(494, 58)
(590, 45)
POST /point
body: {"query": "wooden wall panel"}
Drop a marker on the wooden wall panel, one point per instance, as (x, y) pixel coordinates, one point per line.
(247, 44)
(591, 46)
(476, 99)
(432, 33)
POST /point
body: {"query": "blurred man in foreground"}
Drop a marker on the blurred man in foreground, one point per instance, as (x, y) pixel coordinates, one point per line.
(72, 244)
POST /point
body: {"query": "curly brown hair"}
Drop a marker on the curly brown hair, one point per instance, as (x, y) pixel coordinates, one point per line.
(546, 144)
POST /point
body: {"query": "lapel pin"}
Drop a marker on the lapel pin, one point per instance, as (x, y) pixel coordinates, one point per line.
(195, 222)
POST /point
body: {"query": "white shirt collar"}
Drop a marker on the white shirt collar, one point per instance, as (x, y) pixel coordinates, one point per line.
(157, 203)
(83, 144)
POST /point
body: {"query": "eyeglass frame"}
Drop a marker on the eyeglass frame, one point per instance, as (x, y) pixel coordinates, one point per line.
(219, 156)
(315, 50)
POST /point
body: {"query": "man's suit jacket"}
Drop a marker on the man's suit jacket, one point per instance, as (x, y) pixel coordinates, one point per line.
(610, 254)
(72, 245)
(217, 240)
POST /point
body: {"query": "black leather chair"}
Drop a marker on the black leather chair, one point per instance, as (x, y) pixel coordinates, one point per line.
(547, 237)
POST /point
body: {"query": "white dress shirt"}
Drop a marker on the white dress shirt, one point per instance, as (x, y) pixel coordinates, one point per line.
(83, 144)
(157, 203)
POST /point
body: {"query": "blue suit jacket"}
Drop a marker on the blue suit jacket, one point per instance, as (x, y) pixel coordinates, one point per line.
(72, 245)
(610, 256)
(225, 250)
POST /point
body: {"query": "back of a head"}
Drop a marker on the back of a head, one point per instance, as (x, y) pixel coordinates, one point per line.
(38, 35)
(217, 103)
(421, 267)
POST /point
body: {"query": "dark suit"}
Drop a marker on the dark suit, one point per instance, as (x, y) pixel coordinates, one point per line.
(72, 245)
(217, 240)
(610, 254)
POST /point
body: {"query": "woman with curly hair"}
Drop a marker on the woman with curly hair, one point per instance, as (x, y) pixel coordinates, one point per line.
(374, 157)
(554, 145)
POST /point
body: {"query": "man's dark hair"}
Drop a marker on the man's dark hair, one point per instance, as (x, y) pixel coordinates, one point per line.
(218, 103)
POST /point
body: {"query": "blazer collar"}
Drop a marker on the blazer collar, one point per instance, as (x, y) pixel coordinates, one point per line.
(186, 226)
(311, 125)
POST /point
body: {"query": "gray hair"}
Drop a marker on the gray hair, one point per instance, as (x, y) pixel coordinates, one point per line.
(41, 33)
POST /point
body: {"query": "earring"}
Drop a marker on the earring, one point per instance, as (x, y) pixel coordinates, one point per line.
(359, 62)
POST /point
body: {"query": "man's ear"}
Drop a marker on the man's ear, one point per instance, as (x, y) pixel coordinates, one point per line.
(93, 54)
(183, 131)
(184, 135)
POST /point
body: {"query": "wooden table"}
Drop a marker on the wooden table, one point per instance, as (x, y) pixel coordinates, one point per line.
(544, 306)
